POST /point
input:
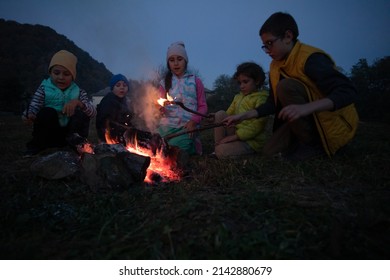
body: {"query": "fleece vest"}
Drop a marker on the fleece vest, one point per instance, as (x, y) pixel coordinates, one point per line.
(336, 128)
(56, 98)
(184, 90)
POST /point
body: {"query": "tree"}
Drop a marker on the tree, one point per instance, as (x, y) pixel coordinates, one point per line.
(373, 87)
(225, 87)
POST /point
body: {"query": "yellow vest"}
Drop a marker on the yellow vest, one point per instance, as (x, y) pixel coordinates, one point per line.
(336, 128)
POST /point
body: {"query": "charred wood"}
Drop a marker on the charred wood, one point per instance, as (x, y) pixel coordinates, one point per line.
(113, 167)
(147, 140)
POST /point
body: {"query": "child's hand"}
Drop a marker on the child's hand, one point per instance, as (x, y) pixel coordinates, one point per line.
(210, 119)
(191, 125)
(231, 120)
(28, 119)
(293, 112)
(70, 107)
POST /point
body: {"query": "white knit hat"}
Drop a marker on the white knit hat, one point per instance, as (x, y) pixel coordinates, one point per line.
(177, 48)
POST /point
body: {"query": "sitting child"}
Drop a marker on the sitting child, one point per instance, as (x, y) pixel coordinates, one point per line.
(59, 107)
(248, 136)
(113, 115)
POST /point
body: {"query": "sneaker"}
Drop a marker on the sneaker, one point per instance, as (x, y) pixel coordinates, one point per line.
(31, 152)
(304, 152)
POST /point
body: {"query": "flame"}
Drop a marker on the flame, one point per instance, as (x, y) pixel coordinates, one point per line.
(162, 101)
(160, 165)
(85, 148)
(109, 139)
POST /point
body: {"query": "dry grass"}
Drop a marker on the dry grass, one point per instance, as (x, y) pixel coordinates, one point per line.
(248, 208)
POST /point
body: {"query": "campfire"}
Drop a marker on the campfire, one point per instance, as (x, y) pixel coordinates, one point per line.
(139, 156)
(142, 157)
(147, 156)
(163, 159)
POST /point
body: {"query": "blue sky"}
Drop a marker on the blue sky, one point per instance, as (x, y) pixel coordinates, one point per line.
(132, 36)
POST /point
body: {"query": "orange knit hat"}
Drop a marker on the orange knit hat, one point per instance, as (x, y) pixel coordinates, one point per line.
(65, 59)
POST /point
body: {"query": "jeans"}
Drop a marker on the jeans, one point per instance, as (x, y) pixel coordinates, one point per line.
(290, 134)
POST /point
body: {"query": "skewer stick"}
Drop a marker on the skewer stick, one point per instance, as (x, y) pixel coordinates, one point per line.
(186, 108)
(173, 135)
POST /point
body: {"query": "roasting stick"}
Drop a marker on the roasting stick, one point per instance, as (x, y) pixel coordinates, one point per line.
(186, 108)
(173, 135)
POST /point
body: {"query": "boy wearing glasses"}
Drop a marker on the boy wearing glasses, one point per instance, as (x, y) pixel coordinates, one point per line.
(312, 101)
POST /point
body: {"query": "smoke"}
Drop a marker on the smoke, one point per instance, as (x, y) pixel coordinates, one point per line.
(144, 105)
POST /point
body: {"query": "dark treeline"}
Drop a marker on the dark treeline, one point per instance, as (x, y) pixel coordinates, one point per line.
(373, 85)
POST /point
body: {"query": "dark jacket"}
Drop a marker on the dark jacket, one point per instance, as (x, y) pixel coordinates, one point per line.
(113, 113)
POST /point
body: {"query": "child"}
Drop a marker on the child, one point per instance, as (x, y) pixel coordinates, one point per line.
(248, 136)
(312, 101)
(113, 115)
(187, 88)
(59, 107)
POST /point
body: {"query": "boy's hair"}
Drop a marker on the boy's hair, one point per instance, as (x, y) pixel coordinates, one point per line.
(252, 70)
(278, 23)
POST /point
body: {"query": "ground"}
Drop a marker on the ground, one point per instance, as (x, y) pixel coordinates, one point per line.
(248, 208)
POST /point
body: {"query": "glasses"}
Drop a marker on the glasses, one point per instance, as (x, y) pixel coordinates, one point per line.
(268, 45)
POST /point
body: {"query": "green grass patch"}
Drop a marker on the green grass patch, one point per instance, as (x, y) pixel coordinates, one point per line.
(247, 208)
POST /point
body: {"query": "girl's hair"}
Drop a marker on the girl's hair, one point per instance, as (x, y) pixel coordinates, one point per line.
(168, 79)
(278, 23)
(252, 70)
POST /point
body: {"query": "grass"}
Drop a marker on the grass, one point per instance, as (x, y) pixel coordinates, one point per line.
(248, 208)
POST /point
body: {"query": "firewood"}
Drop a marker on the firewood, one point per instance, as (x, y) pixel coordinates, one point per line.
(113, 167)
(136, 164)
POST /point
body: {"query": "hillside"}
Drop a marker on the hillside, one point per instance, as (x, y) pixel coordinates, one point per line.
(25, 52)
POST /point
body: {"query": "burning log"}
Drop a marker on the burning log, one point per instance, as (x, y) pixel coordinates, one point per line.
(79, 144)
(113, 167)
(146, 140)
(136, 164)
(143, 155)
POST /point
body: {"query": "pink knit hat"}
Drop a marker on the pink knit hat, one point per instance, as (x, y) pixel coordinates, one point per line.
(177, 48)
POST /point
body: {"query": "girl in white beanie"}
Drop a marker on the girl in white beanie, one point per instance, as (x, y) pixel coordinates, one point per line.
(187, 88)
